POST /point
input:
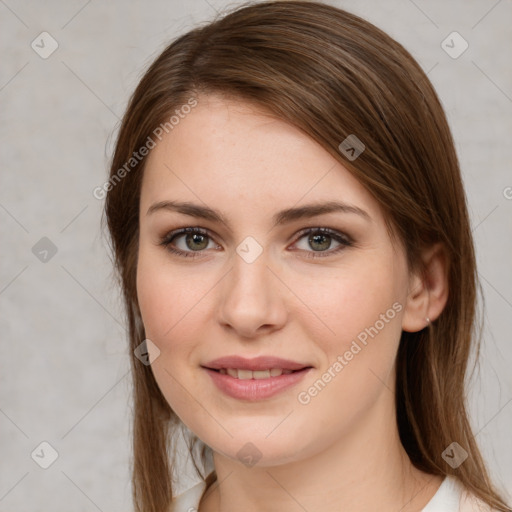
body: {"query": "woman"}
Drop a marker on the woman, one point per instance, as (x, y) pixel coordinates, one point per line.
(290, 230)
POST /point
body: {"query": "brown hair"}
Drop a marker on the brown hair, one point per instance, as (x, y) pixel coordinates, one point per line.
(331, 74)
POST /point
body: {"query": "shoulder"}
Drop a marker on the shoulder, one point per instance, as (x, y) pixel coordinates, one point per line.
(189, 500)
(471, 503)
(454, 496)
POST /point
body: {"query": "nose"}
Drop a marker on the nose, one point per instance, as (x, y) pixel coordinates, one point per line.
(251, 300)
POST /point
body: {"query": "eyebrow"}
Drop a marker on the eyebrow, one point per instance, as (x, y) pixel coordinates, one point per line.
(282, 217)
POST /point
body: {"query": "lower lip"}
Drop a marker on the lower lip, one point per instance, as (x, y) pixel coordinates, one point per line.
(255, 389)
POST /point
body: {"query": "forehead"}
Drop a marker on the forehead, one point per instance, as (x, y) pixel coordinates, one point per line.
(230, 153)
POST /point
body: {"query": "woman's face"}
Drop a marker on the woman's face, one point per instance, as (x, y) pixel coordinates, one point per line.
(266, 282)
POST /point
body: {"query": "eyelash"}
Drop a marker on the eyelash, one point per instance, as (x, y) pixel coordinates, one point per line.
(343, 239)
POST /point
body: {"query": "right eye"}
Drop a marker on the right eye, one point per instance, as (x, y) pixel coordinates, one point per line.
(194, 239)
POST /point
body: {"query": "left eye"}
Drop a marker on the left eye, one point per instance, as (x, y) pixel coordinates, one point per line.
(321, 239)
(197, 239)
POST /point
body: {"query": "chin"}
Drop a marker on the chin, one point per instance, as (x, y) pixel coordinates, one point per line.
(258, 449)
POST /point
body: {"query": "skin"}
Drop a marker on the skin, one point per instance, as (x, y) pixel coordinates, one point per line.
(341, 451)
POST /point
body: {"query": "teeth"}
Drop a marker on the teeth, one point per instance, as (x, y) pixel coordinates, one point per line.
(244, 374)
(257, 374)
(261, 374)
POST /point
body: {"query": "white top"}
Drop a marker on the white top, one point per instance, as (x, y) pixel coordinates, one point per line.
(448, 498)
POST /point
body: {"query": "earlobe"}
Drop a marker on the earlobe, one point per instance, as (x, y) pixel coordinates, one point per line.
(428, 290)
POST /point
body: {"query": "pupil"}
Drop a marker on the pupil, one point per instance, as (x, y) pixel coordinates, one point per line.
(196, 238)
(316, 238)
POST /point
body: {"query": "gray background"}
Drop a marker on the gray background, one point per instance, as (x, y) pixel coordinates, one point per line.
(63, 362)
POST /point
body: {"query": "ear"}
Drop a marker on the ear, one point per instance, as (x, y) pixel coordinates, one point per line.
(428, 290)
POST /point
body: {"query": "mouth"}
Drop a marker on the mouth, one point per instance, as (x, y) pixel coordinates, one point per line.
(238, 367)
(255, 379)
(244, 374)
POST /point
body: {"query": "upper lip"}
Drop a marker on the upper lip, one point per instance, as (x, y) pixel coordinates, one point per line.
(257, 363)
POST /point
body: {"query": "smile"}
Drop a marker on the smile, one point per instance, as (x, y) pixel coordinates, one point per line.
(256, 374)
(255, 385)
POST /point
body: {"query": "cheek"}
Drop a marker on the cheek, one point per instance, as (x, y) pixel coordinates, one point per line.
(167, 296)
(171, 306)
(360, 311)
(341, 303)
